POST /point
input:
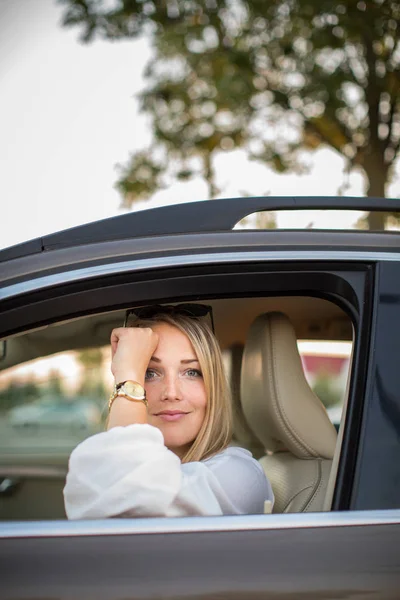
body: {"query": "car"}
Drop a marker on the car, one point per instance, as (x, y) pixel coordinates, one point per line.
(56, 413)
(335, 527)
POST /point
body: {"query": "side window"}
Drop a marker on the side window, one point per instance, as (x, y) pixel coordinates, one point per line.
(326, 364)
(62, 395)
(47, 406)
(54, 390)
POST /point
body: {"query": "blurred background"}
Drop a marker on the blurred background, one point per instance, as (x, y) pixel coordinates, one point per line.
(109, 106)
(116, 105)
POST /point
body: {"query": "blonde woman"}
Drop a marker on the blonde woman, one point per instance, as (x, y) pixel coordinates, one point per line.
(166, 451)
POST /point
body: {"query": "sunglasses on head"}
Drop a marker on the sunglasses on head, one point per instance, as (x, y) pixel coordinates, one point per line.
(188, 310)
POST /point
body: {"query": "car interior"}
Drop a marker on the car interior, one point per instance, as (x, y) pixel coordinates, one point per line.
(279, 397)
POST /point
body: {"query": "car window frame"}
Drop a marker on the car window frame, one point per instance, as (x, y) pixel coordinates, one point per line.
(148, 280)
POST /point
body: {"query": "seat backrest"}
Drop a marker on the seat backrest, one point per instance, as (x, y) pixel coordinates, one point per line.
(242, 434)
(286, 416)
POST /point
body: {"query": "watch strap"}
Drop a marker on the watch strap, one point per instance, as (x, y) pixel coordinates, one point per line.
(131, 390)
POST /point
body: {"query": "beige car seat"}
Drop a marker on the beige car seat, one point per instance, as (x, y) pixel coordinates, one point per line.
(286, 416)
(242, 434)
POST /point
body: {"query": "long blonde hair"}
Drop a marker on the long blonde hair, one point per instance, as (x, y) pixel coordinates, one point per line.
(216, 430)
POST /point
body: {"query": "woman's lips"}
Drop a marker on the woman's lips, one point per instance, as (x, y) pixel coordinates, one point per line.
(171, 415)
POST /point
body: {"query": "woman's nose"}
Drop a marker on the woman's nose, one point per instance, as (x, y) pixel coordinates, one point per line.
(172, 388)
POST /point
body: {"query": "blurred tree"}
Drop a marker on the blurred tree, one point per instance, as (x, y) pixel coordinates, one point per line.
(92, 383)
(54, 385)
(17, 393)
(326, 389)
(273, 77)
(261, 220)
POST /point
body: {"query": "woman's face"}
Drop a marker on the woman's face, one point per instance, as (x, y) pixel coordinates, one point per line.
(175, 389)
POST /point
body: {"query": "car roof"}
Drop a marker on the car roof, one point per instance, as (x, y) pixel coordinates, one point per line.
(193, 217)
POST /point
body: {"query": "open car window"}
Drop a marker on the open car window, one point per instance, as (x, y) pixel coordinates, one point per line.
(55, 387)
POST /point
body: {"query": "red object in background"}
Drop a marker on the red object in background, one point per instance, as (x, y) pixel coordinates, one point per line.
(331, 365)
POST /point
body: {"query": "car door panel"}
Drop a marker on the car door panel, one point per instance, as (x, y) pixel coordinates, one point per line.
(269, 557)
(377, 476)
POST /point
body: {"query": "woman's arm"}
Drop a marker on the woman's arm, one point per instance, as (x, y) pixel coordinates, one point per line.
(131, 350)
(128, 472)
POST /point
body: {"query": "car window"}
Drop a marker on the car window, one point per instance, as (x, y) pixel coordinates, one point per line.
(47, 406)
(66, 391)
(50, 404)
(326, 365)
(317, 219)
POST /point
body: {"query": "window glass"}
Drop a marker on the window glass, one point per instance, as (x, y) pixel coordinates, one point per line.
(53, 402)
(318, 219)
(326, 366)
(47, 406)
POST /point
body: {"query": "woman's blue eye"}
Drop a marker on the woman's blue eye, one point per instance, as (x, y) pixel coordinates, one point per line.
(150, 374)
(194, 373)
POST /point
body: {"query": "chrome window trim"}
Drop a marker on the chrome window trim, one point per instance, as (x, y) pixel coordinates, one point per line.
(138, 265)
(29, 529)
(32, 471)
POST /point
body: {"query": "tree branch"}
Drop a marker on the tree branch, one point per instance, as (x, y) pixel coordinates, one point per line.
(372, 92)
(390, 122)
(330, 140)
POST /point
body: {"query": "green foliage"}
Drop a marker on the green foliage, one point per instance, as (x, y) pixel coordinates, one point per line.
(23, 393)
(326, 391)
(271, 77)
(19, 393)
(262, 220)
(16, 394)
(91, 358)
(92, 385)
(141, 178)
(54, 386)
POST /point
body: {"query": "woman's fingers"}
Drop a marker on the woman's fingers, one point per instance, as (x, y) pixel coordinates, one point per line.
(114, 341)
(132, 349)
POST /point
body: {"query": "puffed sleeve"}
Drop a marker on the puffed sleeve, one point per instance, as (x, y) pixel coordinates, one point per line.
(129, 472)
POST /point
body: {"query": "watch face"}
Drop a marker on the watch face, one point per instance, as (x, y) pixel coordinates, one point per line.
(133, 389)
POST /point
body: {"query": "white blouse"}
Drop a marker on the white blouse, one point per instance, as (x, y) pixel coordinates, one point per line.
(129, 472)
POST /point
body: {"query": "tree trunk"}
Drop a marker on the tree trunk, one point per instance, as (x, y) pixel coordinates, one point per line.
(209, 175)
(376, 172)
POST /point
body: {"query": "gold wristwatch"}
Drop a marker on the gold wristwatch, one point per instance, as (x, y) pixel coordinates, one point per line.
(131, 390)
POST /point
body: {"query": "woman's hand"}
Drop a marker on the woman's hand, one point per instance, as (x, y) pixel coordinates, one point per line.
(131, 351)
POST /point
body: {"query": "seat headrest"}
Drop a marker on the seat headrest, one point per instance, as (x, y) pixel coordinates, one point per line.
(277, 401)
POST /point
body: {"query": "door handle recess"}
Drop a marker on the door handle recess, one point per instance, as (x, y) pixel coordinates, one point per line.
(9, 485)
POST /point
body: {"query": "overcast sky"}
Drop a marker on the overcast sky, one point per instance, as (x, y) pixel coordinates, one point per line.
(68, 115)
